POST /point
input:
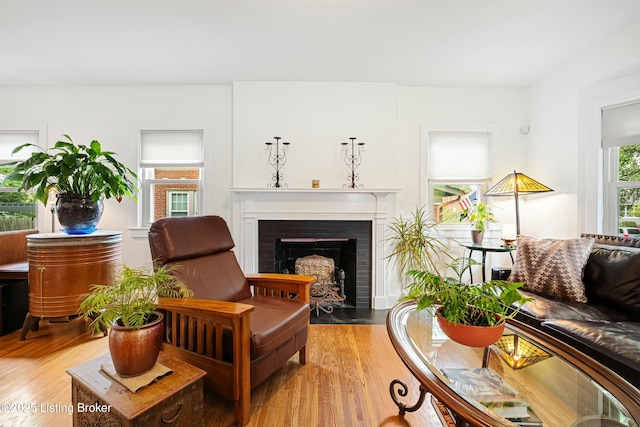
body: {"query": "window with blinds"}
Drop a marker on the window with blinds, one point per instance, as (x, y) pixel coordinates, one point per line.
(459, 168)
(171, 171)
(621, 154)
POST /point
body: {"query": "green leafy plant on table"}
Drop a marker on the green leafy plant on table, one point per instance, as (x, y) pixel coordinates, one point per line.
(420, 254)
(132, 299)
(479, 216)
(68, 168)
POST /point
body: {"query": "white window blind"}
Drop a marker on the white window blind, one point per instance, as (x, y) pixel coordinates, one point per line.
(621, 125)
(11, 139)
(159, 148)
(459, 155)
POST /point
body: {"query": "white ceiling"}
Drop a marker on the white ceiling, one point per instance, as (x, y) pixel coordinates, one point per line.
(411, 42)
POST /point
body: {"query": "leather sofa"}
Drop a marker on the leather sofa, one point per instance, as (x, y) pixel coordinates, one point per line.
(606, 327)
(237, 328)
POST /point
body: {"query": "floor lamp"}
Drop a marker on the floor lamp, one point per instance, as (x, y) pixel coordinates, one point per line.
(514, 184)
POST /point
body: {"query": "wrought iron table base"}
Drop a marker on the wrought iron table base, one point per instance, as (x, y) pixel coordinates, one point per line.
(402, 391)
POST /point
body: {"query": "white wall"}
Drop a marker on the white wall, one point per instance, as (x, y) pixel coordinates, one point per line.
(315, 117)
(557, 154)
(110, 114)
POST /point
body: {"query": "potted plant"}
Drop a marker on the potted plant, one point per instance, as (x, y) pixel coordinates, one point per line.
(479, 216)
(129, 308)
(81, 175)
(481, 308)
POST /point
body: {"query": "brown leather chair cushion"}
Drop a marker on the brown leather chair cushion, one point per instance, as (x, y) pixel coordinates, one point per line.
(200, 248)
(273, 322)
(174, 239)
(216, 277)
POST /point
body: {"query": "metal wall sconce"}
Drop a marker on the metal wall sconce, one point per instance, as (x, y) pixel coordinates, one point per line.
(519, 353)
(352, 158)
(277, 159)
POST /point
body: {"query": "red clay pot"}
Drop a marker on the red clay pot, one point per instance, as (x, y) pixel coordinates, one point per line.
(472, 336)
(135, 351)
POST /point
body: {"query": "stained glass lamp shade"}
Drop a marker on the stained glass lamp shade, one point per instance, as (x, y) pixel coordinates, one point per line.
(518, 352)
(514, 184)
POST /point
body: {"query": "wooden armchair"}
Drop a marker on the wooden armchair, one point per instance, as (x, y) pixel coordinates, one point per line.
(238, 328)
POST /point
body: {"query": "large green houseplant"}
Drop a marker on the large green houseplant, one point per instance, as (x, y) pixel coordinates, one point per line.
(421, 256)
(129, 308)
(81, 175)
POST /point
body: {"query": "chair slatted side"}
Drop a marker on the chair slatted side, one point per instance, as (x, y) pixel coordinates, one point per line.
(273, 293)
(219, 341)
(198, 336)
(201, 330)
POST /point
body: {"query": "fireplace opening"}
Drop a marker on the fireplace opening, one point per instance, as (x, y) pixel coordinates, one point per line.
(347, 243)
(341, 250)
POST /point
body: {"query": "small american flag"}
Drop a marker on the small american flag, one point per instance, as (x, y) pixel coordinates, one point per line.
(468, 200)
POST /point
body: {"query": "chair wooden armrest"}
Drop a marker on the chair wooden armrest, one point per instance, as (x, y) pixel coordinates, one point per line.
(206, 308)
(281, 285)
(194, 331)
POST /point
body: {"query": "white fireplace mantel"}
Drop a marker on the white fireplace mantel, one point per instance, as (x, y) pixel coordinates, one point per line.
(251, 205)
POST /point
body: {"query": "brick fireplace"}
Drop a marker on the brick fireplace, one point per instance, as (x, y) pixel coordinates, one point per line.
(341, 211)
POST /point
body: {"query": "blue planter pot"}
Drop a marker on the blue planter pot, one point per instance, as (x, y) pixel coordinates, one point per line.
(78, 214)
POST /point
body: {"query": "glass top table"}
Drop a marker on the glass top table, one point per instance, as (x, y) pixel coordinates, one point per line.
(565, 389)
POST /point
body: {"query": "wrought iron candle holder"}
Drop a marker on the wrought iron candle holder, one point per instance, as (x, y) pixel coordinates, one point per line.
(277, 159)
(352, 158)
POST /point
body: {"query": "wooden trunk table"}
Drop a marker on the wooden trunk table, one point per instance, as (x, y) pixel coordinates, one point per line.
(62, 268)
(175, 400)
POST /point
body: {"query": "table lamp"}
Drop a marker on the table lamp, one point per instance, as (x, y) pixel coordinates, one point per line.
(514, 184)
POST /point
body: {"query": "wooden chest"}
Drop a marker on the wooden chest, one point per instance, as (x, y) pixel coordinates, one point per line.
(175, 400)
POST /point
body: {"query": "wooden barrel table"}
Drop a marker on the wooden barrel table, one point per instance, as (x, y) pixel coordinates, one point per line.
(62, 268)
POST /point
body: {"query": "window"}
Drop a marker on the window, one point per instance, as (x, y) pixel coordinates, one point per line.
(171, 173)
(459, 168)
(621, 145)
(181, 203)
(17, 209)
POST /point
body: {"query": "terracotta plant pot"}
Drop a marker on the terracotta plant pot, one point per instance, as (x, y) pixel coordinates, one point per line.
(472, 336)
(135, 351)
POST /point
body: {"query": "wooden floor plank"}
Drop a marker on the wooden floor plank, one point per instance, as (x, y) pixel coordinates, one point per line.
(344, 383)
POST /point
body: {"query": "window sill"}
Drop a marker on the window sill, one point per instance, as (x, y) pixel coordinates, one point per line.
(139, 232)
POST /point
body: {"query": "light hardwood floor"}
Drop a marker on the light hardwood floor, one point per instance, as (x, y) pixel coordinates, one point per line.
(345, 382)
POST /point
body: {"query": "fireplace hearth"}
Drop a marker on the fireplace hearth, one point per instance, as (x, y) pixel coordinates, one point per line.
(348, 243)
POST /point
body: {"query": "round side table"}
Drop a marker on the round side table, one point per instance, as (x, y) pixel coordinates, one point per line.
(62, 268)
(484, 248)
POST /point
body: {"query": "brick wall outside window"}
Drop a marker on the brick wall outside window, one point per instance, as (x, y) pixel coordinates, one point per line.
(160, 194)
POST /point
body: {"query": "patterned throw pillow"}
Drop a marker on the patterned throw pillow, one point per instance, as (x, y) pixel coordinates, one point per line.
(552, 268)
